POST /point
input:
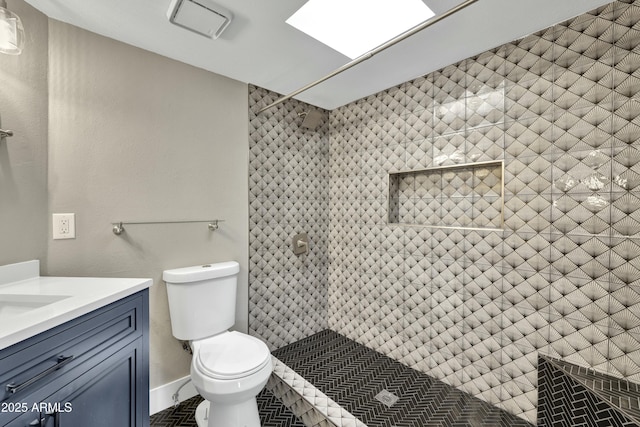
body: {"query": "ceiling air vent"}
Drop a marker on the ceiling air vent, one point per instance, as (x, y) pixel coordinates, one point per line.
(203, 17)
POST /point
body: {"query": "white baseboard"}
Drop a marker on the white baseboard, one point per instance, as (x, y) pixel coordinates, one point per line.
(160, 398)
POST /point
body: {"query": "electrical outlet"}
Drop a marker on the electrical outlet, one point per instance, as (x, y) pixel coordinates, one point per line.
(64, 226)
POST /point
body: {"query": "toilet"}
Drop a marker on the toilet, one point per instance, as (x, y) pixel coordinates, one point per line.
(228, 368)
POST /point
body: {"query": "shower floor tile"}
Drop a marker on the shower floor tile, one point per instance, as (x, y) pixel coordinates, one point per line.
(352, 375)
(272, 413)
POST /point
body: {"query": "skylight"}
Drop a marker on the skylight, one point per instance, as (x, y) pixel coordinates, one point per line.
(354, 27)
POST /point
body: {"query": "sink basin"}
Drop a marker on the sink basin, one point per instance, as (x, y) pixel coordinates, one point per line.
(13, 304)
(31, 304)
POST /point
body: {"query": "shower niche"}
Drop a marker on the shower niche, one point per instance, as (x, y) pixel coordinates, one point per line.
(462, 196)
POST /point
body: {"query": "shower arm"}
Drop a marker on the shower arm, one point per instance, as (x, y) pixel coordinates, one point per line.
(426, 24)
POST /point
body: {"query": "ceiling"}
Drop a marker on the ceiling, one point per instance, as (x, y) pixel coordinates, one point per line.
(259, 48)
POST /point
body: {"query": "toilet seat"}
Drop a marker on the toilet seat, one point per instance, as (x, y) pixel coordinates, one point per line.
(231, 355)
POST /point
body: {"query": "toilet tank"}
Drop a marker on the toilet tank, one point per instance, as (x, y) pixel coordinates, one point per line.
(202, 299)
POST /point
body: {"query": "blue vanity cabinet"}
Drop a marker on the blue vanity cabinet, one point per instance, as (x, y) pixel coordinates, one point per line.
(91, 371)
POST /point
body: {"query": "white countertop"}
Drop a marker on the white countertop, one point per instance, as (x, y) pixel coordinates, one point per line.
(71, 297)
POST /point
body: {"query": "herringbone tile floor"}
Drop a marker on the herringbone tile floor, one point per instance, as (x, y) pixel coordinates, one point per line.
(272, 413)
(352, 375)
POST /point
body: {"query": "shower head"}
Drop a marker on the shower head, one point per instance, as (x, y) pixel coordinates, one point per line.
(312, 119)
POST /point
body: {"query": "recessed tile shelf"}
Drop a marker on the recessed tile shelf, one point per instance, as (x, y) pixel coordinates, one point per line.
(463, 196)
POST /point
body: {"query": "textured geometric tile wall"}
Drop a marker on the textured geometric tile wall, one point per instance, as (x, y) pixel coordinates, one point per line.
(468, 196)
(472, 308)
(288, 194)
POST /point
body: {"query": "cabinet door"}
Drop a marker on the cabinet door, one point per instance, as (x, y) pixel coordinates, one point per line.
(108, 395)
(107, 384)
(106, 398)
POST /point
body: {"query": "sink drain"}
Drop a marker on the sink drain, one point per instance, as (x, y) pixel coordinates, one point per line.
(386, 398)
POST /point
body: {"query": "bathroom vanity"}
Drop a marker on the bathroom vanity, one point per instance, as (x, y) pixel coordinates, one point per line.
(73, 351)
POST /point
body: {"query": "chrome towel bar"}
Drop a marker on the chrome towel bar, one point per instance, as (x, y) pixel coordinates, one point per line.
(118, 227)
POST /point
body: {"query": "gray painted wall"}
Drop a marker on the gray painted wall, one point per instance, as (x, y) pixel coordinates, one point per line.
(132, 136)
(23, 158)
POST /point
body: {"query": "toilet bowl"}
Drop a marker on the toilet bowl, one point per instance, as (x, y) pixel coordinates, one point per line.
(228, 368)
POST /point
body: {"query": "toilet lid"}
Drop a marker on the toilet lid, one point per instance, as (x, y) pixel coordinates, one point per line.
(232, 355)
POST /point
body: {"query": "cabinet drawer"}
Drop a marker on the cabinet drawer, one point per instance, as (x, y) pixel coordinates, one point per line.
(82, 401)
(29, 366)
